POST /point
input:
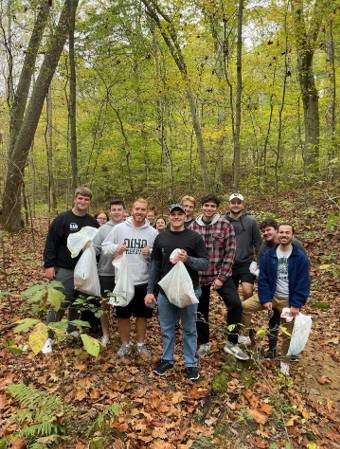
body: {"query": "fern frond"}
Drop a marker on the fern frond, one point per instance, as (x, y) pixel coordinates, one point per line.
(105, 418)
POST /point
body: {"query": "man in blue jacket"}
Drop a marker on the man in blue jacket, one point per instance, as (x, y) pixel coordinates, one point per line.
(283, 282)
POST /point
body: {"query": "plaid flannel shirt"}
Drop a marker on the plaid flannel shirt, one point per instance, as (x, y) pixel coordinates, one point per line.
(220, 241)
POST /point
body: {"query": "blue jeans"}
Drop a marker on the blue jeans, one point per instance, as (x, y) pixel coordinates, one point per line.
(167, 319)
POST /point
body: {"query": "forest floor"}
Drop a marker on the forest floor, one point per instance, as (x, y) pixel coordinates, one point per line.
(233, 404)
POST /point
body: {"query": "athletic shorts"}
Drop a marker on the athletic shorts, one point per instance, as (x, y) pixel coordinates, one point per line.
(136, 306)
(245, 277)
(106, 283)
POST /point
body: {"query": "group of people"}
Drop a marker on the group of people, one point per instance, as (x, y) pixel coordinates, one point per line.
(217, 252)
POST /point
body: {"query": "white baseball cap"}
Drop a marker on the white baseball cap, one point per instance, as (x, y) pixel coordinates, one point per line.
(236, 195)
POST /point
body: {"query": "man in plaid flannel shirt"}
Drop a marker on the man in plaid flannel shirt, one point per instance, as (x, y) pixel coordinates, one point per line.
(219, 238)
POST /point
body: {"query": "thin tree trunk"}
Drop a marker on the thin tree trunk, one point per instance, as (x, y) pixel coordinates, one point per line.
(237, 150)
(18, 157)
(52, 206)
(73, 98)
(170, 38)
(331, 89)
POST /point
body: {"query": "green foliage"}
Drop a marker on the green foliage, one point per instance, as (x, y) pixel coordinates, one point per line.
(10, 346)
(104, 419)
(91, 345)
(47, 292)
(24, 324)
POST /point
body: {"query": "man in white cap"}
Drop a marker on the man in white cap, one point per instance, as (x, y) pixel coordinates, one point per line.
(248, 241)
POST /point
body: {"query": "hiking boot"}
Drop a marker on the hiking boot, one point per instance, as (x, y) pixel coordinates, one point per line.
(73, 333)
(192, 373)
(143, 350)
(270, 354)
(244, 340)
(47, 348)
(163, 367)
(123, 351)
(104, 340)
(284, 368)
(294, 358)
(236, 351)
(203, 349)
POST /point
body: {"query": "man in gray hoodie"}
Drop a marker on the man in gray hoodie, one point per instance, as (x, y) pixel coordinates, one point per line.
(248, 239)
(105, 268)
(136, 237)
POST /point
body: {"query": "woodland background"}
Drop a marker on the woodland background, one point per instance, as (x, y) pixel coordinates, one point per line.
(161, 99)
(156, 99)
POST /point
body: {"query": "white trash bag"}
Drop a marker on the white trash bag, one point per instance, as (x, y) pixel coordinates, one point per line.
(300, 334)
(124, 289)
(77, 240)
(253, 269)
(177, 284)
(86, 278)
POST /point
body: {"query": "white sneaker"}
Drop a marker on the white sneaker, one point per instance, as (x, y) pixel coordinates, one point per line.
(284, 368)
(143, 350)
(236, 351)
(203, 349)
(123, 351)
(47, 348)
(244, 340)
(73, 333)
(104, 340)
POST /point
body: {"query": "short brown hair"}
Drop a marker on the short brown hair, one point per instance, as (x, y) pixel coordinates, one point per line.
(84, 191)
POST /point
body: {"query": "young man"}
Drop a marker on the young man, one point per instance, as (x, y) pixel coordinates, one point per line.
(219, 238)
(269, 229)
(151, 216)
(57, 258)
(248, 238)
(189, 204)
(105, 268)
(196, 258)
(283, 282)
(136, 237)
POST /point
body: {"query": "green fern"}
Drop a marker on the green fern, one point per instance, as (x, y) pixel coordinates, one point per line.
(104, 419)
(43, 429)
(39, 406)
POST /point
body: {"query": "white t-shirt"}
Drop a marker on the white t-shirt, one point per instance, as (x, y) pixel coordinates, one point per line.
(282, 285)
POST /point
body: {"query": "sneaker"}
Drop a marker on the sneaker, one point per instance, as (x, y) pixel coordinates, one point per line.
(192, 373)
(203, 349)
(244, 340)
(123, 351)
(143, 350)
(163, 367)
(47, 348)
(270, 355)
(104, 340)
(284, 368)
(73, 333)
(236, 351)
(294, 358)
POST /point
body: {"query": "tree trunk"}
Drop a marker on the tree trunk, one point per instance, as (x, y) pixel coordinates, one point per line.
(169, 35)
(52, 203)
(18, 157)
(72, 111)
(237, 151)
(306, 40)
(331, 88)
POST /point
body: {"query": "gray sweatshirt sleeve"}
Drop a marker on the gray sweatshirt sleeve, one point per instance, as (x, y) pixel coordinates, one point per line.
(198, 263)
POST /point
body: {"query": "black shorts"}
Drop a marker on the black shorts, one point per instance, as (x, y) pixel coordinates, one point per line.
(106, 283)
(245, 277)
(136, 306)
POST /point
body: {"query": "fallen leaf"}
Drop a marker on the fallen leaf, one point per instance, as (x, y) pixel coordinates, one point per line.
(324, 380)
(266, 408)
(292, 420)
(259, 417)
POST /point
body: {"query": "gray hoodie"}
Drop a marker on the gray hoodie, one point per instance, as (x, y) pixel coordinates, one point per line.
(105, 267)
(248, 237)
(135, 238)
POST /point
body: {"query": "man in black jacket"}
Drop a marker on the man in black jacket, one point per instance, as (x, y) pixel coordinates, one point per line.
(58, 263)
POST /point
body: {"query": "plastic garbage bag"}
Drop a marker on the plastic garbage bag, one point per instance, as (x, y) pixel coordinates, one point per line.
(124, 289)
(286, 314)
(253, 269)
(177, 284)
(301, 331)
(77, 241)
(86, 278)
